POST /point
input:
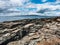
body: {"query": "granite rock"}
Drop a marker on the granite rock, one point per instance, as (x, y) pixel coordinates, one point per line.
(45, 31)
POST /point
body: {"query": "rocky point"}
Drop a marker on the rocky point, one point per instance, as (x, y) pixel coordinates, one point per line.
(45, 31)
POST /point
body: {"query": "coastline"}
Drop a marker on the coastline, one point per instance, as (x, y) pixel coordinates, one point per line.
(22, 17)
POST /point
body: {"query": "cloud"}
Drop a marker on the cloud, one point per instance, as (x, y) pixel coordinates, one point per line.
(10, 4)
(2, 4)
(19, 2)
(23, 7)
(49, 9)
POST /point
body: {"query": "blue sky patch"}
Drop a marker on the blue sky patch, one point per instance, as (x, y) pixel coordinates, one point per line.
(40, 1)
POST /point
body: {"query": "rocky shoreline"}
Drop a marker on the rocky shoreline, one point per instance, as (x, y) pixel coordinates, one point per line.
(30, 32)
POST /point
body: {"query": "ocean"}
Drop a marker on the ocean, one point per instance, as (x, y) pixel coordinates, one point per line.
(11, 18)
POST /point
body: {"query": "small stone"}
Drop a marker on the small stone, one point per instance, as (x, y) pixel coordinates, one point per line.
(58, 20)
(31, 34)
(58, 25)
(28, 25)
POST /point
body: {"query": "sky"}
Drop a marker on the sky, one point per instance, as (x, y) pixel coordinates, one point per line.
(29, 7)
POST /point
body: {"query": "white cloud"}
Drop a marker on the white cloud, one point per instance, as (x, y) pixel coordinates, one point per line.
(18, 2)
(27, 7)
(58, 1)
(12, 3)
(2, 4)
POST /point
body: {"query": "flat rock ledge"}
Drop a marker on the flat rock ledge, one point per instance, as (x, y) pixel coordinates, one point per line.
(45, 31)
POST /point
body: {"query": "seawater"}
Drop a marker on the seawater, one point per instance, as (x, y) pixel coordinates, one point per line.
(11, 18)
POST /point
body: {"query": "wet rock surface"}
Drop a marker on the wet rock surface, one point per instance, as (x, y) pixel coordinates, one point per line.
(30, 32)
